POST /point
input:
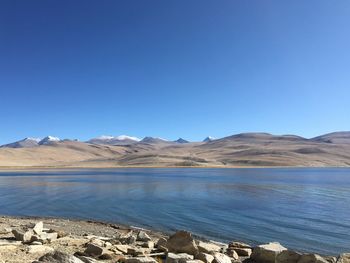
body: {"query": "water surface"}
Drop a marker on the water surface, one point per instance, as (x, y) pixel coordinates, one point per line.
(304, 209)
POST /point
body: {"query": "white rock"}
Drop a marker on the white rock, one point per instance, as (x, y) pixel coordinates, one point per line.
(208, 247)
(221, 258)
(344, 258)
(267, 253)
(178, 258)
(122, 248)
(206, 258)
(38, 228)
(40, 249)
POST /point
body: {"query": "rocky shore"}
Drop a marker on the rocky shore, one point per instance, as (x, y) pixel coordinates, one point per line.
(38, 240)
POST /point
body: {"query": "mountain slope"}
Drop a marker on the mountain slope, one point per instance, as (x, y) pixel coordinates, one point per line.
(240, 150)
(25, 143)
(335, 137)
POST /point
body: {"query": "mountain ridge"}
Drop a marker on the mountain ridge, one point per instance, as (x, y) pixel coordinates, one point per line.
(239, 150)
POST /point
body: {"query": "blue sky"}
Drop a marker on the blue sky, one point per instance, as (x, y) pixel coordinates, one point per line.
(177, 68)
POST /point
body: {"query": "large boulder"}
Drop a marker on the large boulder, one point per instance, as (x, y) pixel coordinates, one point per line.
(59, 257)
(242, 249)
(182, 242)
(24, 236)
(208, 247)
(94, 250)
(221, 258)
(344, 258)
(267, 253)
(288, 256)
(311, 258)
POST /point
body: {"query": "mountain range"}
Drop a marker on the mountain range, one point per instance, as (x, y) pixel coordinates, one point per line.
(240, 150)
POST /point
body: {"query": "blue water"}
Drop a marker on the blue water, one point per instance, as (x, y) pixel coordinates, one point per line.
(304, 209)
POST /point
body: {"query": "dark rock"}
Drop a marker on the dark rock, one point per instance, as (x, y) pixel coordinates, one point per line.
(59, 257)
(311, 258)
(288, 256)
(182, 242)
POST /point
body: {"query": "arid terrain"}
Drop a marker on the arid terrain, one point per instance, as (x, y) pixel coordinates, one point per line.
(241, 150)
(53, 240)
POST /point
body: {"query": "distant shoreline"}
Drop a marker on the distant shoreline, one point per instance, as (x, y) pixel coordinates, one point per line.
(39, 168)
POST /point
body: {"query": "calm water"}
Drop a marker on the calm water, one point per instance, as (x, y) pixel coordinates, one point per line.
(305, 209)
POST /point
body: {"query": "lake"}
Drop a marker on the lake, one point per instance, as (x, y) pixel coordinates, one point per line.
(304, 209)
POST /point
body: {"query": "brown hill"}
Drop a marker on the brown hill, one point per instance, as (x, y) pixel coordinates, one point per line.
(247, 149)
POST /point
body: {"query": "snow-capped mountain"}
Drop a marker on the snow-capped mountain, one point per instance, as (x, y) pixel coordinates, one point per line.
(180, 140)
(26, 142)
(153, 140)
(209, 139)
(49, 140)
(114, 140)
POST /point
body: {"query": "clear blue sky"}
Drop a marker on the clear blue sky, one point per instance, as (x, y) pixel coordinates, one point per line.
(177, 68)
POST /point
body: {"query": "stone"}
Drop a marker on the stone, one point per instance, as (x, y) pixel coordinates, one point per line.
(5, 230)
(98, 242)
(61, 234)
(344, 258)
(38, 228)
(182, 242)
(208, 247)
(106, 256)
(51, 236)
(24, 236)
(107, 244)
(87, 259)
(194, 261)
(6, 242)
(267, 253)
(288, 256)
(221, 258)
(236, 244)
(93, 250)
(331, 259)
(206, 258)
(242, 252)
(36, 243)
(127, 238)
(59, 257)
(122, 248)
(178, 258)
(136, 251)
(148, 244)
(232, 253)
(161, 244)
(311, 258)
(40, 249)
(142, 236)
(140, 260)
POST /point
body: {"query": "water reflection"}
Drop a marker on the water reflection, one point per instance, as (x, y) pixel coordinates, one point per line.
(294, 206)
